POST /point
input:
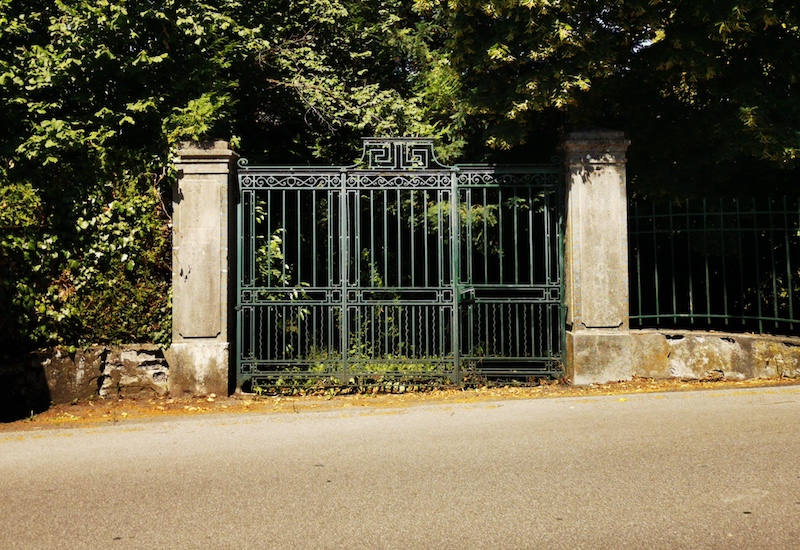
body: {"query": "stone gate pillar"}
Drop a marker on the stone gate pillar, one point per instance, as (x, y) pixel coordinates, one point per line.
(596, 258)
(199, 355)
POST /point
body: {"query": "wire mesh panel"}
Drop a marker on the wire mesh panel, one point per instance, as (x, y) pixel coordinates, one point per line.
(397, 267)
(725, 264)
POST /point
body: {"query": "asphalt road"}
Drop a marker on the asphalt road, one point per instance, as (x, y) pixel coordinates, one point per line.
(718, 469)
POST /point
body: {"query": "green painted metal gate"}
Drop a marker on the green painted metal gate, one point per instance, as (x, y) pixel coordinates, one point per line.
(398, 267)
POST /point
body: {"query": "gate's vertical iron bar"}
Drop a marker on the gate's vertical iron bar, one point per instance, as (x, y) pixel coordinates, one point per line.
(354, 236)
(267, 237)
(285, 316)
(298, 237)
(388, 275)
(239, 351)
(485, 237)
(754, 211)
(705, 260)
(440, 259)
(562, 310)
(515, 237)
(465, 252)
(531, 233)
(789, 283)
(500, 244)
(556, 318)
(376, 270)
(330, 306)
(672, 263)
(454, 252)
(424, 327)
(244, 262)
(797, 228)
(545, 276)
(373, 260)
(299, 348)
(404, 320)
(549, 262)
(386, 336)
(690, 270)
(314, 244)
(426, 235)
(769, 230)
(284, 245)
(466, 277)
(548, 258)
(426, 282)
(555, 212)
(723, 234)
(399, 234)
(515, 234)
(385, 210)
(502, 254)
(469, 273)
(448, 246)
(372, 347)
(356, 283)
(261, 330)
(741, 263)
(770, 227)
(655, 263)
(251, 262)
(266, 327)
(411, 238)
(344, 262)
(330, 244)
(638, 252)
(485, 280)
(547, 236)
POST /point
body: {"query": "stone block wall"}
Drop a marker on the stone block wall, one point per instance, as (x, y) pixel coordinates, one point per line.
(713, 355)
(98, 371)
(57, 376)
(134, 370)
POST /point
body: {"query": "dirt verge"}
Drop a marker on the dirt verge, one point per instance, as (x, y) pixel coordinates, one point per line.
(114, 411)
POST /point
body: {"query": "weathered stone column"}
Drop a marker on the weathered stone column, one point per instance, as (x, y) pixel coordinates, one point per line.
(596, 258)
(199, 355)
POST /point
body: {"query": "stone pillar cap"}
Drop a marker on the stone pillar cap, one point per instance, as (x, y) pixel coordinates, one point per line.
(205, 149)
(597, 134)
(598, 146)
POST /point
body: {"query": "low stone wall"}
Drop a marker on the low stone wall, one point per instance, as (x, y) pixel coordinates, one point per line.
(57, 376)
(713, 355)
(104, 371)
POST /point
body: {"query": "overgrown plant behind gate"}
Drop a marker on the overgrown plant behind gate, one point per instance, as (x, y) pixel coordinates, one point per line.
(398, 269)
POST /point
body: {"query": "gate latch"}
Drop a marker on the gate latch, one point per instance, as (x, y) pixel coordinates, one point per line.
(466, 295)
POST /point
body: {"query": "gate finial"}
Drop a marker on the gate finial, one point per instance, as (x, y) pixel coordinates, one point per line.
(408, 153)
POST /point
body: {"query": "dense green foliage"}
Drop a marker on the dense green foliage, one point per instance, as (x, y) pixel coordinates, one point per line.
(96, 94)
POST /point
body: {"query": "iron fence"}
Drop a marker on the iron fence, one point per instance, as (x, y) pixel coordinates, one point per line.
(724, 264)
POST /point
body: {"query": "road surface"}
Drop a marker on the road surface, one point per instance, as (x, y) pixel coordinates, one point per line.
(710, 469)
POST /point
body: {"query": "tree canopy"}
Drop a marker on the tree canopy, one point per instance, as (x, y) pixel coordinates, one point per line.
(97, 93)
(704, 89)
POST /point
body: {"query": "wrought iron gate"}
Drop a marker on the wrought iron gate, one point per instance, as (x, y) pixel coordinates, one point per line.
(398, 267)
